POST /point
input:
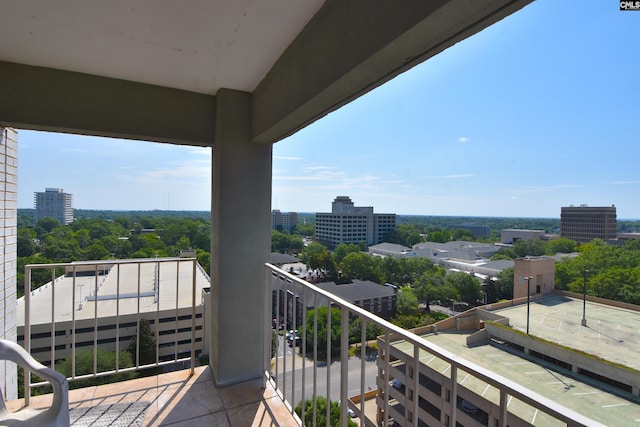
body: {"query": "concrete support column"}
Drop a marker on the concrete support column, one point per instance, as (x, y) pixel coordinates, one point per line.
(240, 240)
(8, 254)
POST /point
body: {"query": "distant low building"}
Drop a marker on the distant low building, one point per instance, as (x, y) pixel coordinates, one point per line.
(458, 251)
(373, 297)
(512, 235)
(389, 249)
(468, 257)
(290, 303)
(477, 230)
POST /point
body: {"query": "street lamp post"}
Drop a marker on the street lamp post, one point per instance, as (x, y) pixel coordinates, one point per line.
(584, 298)
(528, 278)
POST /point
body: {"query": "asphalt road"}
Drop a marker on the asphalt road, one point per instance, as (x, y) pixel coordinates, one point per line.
(290, 379)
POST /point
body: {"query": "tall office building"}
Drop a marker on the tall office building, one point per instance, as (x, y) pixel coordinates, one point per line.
(352, 224)
(286, 220)
(585, 223)
(54, 203)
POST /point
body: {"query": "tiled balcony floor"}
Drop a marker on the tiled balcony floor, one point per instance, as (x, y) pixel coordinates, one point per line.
(176, 399)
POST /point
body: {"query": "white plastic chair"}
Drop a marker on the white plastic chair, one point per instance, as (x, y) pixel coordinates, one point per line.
(57, 414)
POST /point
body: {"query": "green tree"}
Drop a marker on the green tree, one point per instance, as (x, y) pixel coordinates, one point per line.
(313, 248)
(439, 236)
(97, 251)
(106, 361)
(279, 242)
(463, 234)
(406, 302)
(39, 276)
(360, 265)
(60, 246)
(504, 253)
(321, 413)
(147, 347)
(355, 331)
(321, 338)
(183, 244)
(562, 245)
(204, 259)
(431, 286)
(505, 283)
(529, 247)
(343, 250)
(46, 225)
(468, 287)
(305, 229)
(324, 262)
(413, 239)
(26, 241)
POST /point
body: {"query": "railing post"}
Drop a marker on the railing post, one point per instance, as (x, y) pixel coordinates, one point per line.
(503, 408)
(27, 332)
(53, 319)
(416, 383)
(453, 395)
(329, 312)
(267, 341)
(344, 364)
(193, 316)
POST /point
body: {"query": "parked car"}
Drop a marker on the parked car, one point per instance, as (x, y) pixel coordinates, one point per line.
(468, 407)
(297, 340)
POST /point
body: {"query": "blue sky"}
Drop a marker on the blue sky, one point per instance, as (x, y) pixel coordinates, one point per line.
(539, 111)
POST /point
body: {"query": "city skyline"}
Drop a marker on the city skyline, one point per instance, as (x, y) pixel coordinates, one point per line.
(530, 115)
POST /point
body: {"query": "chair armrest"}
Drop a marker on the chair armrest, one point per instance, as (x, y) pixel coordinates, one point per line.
(15, 353)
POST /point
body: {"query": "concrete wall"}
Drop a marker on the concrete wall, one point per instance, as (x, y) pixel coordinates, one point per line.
(8, 253)
(107, 333)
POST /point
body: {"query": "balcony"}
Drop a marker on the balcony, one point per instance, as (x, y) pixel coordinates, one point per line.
(374, 387)
(173, 399)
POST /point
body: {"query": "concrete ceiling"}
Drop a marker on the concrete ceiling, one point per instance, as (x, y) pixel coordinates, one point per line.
(151, 69)
(195, 45)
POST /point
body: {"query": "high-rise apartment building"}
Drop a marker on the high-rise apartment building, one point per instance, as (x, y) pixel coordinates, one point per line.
(54, 203)
(585, 223)
(347, 223)
(285, 220)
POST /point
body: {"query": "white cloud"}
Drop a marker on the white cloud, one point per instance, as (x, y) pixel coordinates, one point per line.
(458, 176)
(463, 139)
(288, 158)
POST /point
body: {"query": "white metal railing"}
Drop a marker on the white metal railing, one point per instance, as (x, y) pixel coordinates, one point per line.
(292, 296)
(120, 294)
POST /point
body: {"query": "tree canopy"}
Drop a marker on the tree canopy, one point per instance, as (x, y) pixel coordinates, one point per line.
(49, 241)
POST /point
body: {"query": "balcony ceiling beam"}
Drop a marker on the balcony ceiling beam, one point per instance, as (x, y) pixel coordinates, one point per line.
(351, 47)
(47, 99)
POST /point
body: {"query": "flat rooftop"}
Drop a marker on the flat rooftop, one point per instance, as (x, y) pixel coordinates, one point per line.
(612, 333)
(164, 284)
(588, 400)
